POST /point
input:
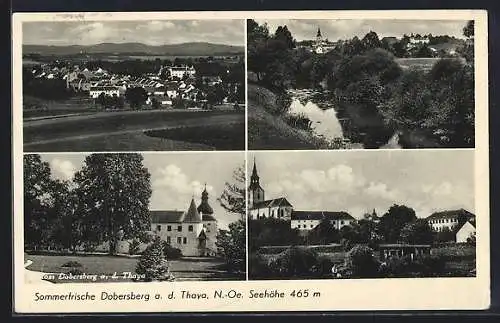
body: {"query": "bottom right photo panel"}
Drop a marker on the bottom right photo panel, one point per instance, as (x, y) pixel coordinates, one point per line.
(361, 214)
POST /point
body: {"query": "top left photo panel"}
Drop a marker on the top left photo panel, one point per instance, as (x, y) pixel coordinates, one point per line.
(132, 85)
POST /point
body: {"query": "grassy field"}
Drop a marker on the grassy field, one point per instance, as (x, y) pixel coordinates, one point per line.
(229, 137)
(183, 269)
(107, 131)
(419, 63)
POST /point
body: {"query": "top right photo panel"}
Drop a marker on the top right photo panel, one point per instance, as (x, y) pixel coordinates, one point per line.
(360, 84)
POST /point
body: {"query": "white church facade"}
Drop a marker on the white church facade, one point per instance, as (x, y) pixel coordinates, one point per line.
(194, 231)
(281, 209)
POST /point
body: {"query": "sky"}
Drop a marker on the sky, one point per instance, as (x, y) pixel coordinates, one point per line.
(305, 29)
(175, 177)
(156, 32)
(360, 181)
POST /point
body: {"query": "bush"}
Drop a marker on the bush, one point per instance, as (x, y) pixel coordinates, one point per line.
(421, 266)
(75, 271)
(72, 264)
(152, 265)
(170, 252)
(295, 262)
(133, 247)
(361, 262)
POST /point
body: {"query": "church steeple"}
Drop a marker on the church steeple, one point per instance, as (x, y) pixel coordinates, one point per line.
(254, 179)
(256, 191)
(318, 34)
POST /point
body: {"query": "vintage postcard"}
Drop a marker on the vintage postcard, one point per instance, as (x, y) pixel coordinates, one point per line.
(250, 161)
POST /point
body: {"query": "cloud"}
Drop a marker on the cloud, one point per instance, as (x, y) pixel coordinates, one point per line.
(63, 169)
(175, 180)
(380, 190)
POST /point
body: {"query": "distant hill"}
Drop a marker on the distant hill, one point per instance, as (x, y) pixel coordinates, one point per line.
(184, 49)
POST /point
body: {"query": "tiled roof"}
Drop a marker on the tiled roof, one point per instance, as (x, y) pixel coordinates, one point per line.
(166, 216)
(319, 215)
(450, 214)
(272, 203)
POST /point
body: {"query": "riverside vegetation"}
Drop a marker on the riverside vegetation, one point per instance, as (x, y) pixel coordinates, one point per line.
(376, 97)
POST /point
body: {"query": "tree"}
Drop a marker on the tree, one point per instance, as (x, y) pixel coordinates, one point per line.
(136, 96)
(394, 220)
(38, 201)
(114, 192)
(152, 265)
(361, 262)
(417, 232)
(231, 245)
(283, 34)
(232, 198)
(323, 233)
(371, 41)
(468, 48)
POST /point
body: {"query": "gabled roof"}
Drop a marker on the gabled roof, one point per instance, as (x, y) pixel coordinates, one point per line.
(272, 203)
(166, 216)
(450, 214)
(319, 215)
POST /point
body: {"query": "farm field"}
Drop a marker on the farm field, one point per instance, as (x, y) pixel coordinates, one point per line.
(124, 130)
(187, 268)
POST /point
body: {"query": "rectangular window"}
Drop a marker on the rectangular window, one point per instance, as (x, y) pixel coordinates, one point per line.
(179, 240)
(158, 227)
(185, 240)
(179, 228)
(168, 239)
(169, 228)
(190, 228)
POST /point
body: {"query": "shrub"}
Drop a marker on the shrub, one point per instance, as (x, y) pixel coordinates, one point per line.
(72, 264)
(295, 261)
(361, 262)
(152, 265)
(133, 247)
(170, 252)
(421, 266)
(75, 271)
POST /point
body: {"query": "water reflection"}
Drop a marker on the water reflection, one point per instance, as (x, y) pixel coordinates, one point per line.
(324, 123)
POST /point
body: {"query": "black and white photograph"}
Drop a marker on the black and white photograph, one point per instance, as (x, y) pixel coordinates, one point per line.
(360, 84)
(160, 85)
(134, 217)
(351, 215)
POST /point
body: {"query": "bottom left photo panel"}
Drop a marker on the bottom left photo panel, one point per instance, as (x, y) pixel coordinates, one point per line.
(125, 217)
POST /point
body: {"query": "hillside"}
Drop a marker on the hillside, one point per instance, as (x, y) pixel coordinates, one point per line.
(184, 49)
(267, 131)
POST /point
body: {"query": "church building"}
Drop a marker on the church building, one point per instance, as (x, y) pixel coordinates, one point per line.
(194, 231)
(280, 208)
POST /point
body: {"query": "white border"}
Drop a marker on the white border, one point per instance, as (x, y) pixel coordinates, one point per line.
(367, 294)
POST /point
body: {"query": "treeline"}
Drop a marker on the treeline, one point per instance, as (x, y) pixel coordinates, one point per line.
(398, 225)
(106, 201)
(371, 88)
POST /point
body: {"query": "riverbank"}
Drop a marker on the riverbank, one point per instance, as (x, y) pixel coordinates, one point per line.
(271, 131)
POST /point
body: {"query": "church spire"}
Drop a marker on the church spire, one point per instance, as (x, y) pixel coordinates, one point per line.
(318, 35)
(254, 179)
(204, 208)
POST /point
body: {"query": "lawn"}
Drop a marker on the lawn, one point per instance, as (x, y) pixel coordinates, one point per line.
(419, 63)
(187, 268)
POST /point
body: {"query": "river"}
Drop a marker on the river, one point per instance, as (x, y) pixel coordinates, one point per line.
(325, 122)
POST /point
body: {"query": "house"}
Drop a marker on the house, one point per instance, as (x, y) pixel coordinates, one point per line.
(95, 91)
(194, 232)
(181, 71)
(450, 219)
(467, 230)
(308, 220)
(281, 209)
(397, 250)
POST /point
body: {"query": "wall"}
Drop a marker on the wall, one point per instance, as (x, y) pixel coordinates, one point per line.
(465, 232)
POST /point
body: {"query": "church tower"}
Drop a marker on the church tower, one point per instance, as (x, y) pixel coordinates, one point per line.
(319, 38)
(255, 190)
